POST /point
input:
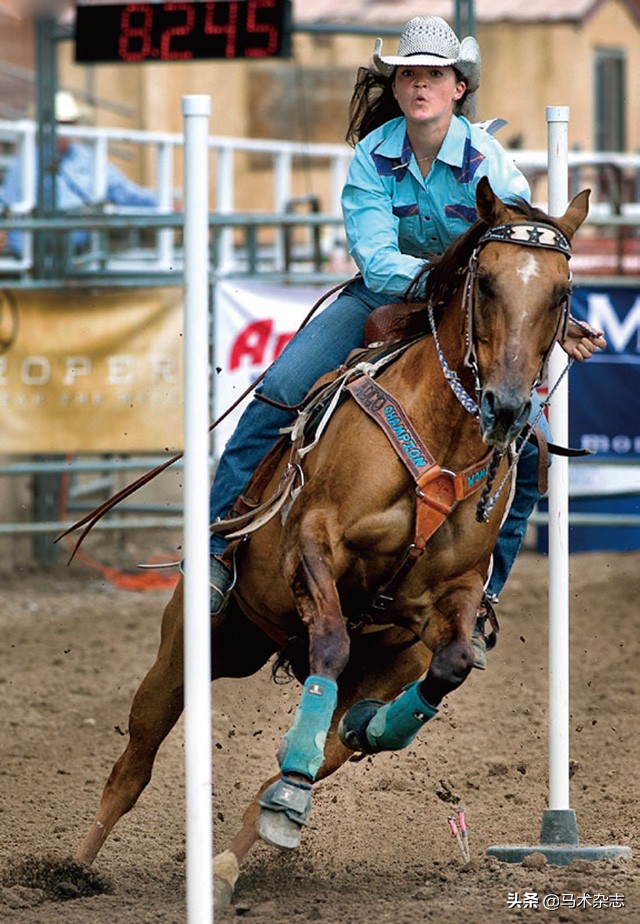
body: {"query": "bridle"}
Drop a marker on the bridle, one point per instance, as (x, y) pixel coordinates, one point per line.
(528, 234)
(524, 233)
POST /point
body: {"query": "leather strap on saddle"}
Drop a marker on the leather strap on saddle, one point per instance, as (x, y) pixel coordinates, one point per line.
(438, 491)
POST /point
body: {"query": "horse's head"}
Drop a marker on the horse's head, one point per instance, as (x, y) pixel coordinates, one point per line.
(517, 300)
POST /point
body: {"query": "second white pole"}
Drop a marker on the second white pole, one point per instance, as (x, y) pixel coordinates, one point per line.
(557, 134)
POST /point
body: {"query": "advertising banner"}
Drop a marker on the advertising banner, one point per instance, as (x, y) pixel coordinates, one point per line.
(253, 322)
(92, 371)
(604, 392)
(604, 417)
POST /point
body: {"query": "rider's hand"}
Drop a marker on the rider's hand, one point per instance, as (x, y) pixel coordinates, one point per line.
(579, 343)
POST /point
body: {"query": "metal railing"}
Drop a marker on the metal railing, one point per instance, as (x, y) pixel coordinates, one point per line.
(127, 241)
(108, 252)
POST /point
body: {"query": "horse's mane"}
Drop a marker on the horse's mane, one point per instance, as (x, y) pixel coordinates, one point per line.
(440, 278)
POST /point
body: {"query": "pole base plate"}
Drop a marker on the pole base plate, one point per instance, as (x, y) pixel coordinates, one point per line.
(559, 855)
(559, 843)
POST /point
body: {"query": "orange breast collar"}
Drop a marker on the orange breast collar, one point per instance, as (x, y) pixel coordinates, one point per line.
(438, 491)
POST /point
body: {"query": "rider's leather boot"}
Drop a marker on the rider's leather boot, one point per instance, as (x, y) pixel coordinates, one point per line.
(221, 582)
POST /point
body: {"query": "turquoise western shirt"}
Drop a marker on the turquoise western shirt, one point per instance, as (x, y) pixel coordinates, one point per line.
(394, 217)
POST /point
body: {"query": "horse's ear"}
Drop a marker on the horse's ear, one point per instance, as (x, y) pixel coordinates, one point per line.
(491, 209)
(577, 211)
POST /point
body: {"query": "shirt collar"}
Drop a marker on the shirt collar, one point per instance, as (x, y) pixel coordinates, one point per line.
(395, 145)
(453, 146)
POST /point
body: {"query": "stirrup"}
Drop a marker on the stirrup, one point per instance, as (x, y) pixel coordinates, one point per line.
(481, 640)
(221, 581)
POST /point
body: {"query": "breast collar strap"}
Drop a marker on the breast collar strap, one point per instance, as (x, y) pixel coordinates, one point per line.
(438, 491)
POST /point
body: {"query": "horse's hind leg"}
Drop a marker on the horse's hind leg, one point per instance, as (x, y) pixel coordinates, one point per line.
(156, 707)
(158, 703)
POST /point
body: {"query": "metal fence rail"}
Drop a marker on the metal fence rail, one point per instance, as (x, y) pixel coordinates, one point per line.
(126, 241)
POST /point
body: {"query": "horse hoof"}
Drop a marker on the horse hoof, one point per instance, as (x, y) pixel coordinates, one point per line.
(352, 729)
(276, 829)
(222, 893)
(225, 876)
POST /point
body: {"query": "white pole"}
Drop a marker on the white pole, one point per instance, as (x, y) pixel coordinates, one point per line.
(557, 126)
(197, 636)
(559, 835)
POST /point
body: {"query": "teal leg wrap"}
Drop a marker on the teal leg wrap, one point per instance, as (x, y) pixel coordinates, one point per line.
(396, 724)
(302, 748)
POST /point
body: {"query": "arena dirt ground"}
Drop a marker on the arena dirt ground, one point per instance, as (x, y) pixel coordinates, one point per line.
(74, 648)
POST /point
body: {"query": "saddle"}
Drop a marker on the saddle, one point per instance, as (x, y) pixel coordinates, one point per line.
(383, 329)
(387, 323)
(323, 398)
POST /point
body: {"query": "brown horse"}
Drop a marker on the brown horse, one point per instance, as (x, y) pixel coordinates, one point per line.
(403, 464)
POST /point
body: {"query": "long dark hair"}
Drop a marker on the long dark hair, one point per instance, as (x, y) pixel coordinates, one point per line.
(373, 103)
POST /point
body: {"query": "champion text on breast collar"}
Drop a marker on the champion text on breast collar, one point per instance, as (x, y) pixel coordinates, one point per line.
(438, 491)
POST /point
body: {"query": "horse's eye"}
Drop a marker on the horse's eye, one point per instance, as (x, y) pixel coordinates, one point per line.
(485, 289)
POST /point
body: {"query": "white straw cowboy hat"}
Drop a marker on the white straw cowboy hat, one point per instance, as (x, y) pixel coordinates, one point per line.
(428, 40)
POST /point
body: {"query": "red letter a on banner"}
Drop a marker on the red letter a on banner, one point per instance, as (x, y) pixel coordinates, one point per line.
(251, 344)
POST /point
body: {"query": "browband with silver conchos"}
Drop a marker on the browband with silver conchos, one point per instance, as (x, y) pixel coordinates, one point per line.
(531, 235)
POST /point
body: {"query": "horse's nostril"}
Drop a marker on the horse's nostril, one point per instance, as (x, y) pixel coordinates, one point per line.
(489, 399)
(488, 407)
(524, 414)
(503, 415)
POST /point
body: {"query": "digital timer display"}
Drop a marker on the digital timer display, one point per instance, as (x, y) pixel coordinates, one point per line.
(182, 31)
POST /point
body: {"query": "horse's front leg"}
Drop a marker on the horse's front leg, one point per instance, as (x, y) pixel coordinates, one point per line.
(286, 804)
(372, 726)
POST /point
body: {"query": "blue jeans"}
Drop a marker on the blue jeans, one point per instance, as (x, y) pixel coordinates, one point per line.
(321, 346)
(526, 496)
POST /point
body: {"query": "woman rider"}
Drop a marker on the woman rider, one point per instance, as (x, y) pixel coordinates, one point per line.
(410, 191)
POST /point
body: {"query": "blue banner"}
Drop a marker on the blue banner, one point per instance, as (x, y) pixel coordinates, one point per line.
(604, 392)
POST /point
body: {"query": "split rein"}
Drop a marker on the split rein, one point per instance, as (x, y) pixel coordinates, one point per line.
(528, 234)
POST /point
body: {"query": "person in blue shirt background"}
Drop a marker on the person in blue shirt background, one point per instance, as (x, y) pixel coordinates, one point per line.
(74, 179)
(410, 192)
